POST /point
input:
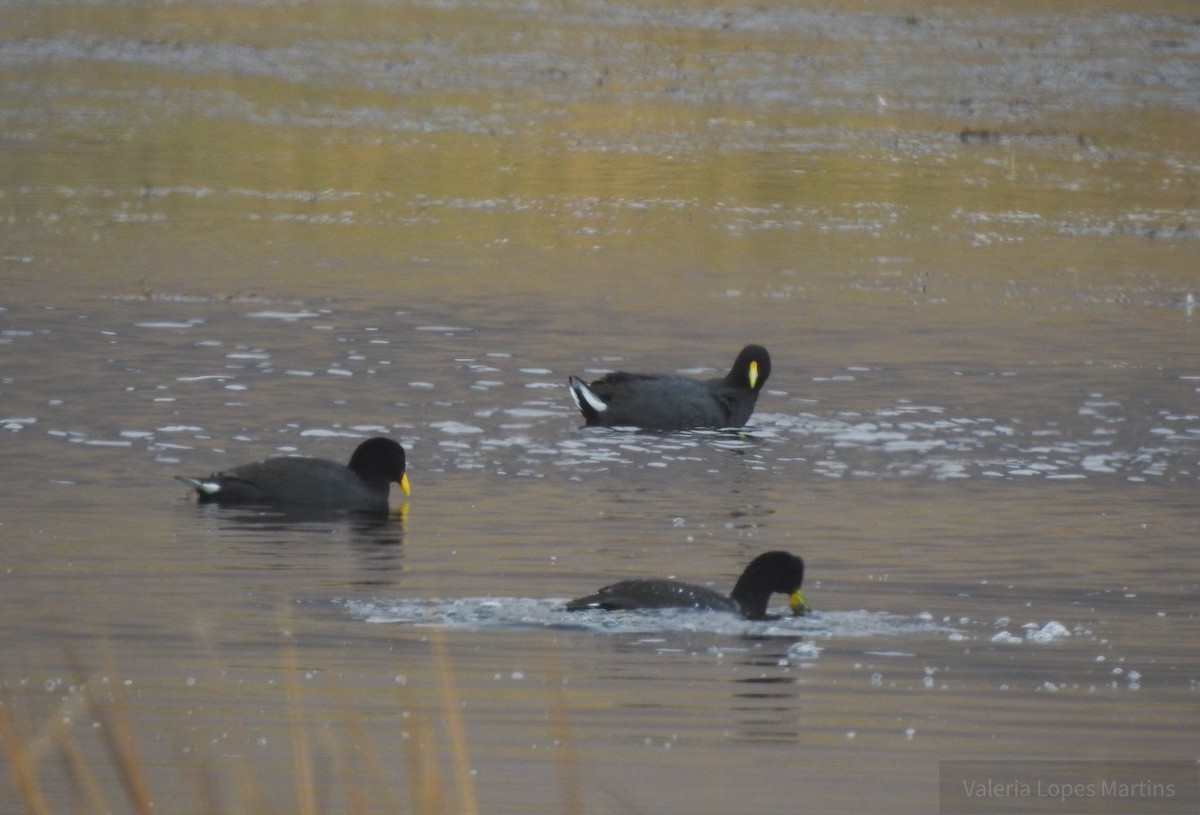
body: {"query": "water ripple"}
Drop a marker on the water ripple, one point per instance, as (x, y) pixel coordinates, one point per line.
(905, 441)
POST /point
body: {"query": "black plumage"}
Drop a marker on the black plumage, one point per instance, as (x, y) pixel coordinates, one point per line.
(767, 574)
(673, 402)
(311, 483)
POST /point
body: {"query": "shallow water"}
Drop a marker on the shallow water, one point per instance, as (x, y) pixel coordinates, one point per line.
(968, 237)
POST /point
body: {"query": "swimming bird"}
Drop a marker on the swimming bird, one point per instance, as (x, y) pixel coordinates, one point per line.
(311, 483)
(768, 573)
(673, 402)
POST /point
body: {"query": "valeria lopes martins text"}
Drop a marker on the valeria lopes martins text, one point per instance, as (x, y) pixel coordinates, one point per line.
(1064, 791)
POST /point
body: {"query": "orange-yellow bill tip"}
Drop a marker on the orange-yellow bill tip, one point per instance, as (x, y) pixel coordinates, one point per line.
(404, 484)
(798, 604)
(753, 373)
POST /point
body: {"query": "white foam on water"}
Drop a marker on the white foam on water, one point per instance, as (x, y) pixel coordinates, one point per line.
(286, 316)
(169, 324)
(1050, 632)
(454, 428)
(477, 613)
(329, 433)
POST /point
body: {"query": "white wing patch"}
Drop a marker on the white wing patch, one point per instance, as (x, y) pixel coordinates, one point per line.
(581, 392)
(206, 487)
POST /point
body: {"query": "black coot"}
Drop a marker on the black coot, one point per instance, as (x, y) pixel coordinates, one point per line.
(671, 402)
(311, 483)
(767, 574)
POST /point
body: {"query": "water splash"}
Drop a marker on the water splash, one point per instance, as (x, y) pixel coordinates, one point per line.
(476, 613)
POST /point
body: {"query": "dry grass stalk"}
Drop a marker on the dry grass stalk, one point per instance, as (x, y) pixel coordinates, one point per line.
(560, 719)
(77, 769)
(306, 797)
(455, 727)
(367, 785)
(376, 778)
(116, 735)
(22, 764)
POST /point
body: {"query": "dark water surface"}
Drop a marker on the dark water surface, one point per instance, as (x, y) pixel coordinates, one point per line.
(968, 237)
